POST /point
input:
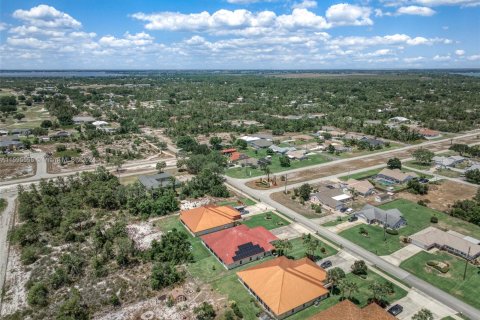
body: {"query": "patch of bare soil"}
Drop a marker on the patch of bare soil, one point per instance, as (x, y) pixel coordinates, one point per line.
(16, 168)
(14, 294)
(143, 234)
(443, 195)
(305, 209)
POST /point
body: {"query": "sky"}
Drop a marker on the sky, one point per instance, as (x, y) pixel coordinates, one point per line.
(239, 34)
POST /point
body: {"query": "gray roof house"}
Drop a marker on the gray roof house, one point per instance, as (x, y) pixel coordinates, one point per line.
(372, 142)
(448, 161)
(391, 218)
(281, 150)
(156, 181)
(83, 119)
(261, 143)
(332, 197)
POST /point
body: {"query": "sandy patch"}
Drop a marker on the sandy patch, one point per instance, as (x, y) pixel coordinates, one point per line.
(15, 297)
(143, 234)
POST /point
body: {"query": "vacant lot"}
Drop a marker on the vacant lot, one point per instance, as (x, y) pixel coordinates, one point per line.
(16, 167)
(418, 218)
(452, 281)
(268, 220)
(443, 195)
(305, 209)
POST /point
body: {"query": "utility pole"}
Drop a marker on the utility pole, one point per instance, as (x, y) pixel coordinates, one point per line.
(286, 181)
(466, 264)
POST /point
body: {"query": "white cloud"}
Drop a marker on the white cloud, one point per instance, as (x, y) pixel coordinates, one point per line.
(394, 39)
(441, 58)
(343, 14)
(414, 59)
(48, 17)
(243, 1)
(305, 4)
(459, 52)
(463, 3)
(416, 10)
(3, 26)
(475, 57)
(129, 40)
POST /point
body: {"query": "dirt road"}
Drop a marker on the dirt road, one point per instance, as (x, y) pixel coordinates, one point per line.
(6, 220)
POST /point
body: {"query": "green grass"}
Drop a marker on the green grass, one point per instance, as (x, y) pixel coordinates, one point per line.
(417, 165)
(275, 167)
(66, 153)
(451, 282)
(243, 201)
(448, 173)
(335, 222)
(298, 250)
(3, 204)
(418, 218)
(361, 175)
(275, 221)
(360, 298)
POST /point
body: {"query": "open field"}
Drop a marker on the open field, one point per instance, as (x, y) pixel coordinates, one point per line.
(441, 196)
(298, 250)
(305, 210)
(33, 118)
(275, 167)
(274, 221)
(452, 281)
(418, 218)
(241, 202)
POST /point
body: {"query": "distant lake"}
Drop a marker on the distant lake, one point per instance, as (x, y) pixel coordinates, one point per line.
(469, 74)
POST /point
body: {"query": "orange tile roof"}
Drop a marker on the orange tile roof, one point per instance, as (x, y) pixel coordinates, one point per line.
(208, 217)
(346, 310)
(283, 284)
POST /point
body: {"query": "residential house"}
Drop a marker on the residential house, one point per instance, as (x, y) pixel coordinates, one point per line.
(264, 136)
(391, 218)
(347, 310)
(281, 150)
(228, 152)
(382, 197)
(83, 119)
(395, 176)
(100, 124)
(235, 157)
(240, 245)
(399, 120)
(60, 135)
(435, 238)
(249, 139)
(362, 187)
(160, 180)
(475, 166)
(208, 219)
(261, 143)
(450, 161)
(372, 142)
(21, 132)
(11, 145)
(329, 196)
(284, 286)
(3, 132)
(297, 154)
(428, 133)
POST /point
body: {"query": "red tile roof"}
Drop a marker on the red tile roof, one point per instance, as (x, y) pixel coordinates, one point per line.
(235, 156)
(428, 132)
(208, 217)
(346, 310)
(224, 151)
(225, 243)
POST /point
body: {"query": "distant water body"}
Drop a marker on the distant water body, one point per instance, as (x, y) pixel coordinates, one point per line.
(470, 74)
(62, 74)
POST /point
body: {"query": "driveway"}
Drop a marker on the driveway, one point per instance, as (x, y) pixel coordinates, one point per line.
(403, 254)
(6, 220)
(342, 260)
(414, 301)
(286, 233)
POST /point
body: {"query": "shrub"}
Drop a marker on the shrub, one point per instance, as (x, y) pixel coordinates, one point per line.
(434, 219)
(392, 231)
(38, 295)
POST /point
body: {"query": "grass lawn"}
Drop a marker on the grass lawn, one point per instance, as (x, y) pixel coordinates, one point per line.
(274, 222)
(360, 298)
(298, 250)
(66, 153)
(243, 201)
(416, 165)
(418, 218)
(361, 175)
(335, 222)
(3, 204)
(448, 173)
(275, 167)
(451, 282)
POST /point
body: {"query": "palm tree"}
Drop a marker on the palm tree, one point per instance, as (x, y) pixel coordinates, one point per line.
(173, 182)
(267, 172)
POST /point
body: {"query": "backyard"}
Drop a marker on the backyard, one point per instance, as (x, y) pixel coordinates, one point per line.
(240, 202)
(418, 218)
(268, 220)
(452, 281)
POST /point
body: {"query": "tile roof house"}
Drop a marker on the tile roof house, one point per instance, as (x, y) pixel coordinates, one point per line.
(362, 187)
(284, 286)
(333, 197)
(435, 238)
(391, 218)
(240, 245)
(208, 219)
(347, 310)
(237, 156)
(395, 176)
(428, 133)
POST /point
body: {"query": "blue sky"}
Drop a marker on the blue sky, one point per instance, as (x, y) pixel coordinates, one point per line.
(239, 34)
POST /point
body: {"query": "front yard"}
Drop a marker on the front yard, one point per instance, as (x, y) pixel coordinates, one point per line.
(452, 281)
(418, 218)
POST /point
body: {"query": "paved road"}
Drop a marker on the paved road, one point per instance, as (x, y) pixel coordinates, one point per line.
(366, 255)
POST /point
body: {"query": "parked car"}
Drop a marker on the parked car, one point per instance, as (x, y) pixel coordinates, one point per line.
(349, 210)
(326, 264)
(395, 310)
(352, 218)
(423, 180)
